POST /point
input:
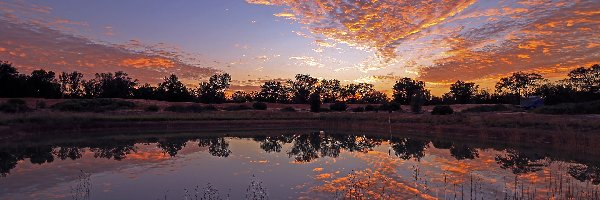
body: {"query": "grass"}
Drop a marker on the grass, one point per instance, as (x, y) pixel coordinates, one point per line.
(93, 105)
(592, 107)
(14, 106)
(194, 108)
(488, 108)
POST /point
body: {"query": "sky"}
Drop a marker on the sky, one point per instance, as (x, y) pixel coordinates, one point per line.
(354, 41)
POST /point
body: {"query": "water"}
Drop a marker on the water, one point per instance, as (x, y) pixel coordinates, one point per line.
(290, 165)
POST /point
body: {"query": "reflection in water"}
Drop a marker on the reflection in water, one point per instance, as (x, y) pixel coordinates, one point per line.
(392, 167)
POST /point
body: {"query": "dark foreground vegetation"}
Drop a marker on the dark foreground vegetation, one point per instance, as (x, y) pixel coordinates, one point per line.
(582, 84)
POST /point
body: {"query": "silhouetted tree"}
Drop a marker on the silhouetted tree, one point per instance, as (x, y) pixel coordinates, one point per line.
(302, 87)
(374, 97)
(42, 84)
(330, 90)
(462, 92)
(241, 97)
(273, 92)
(405, 88)
(91, 88)
(213, 91)
(71, 84)
(108, 85)
(586, 79)
(519, 83)
(12, 84)
(145, 91)
(171, 89)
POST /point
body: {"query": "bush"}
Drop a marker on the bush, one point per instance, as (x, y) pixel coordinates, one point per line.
(93, 105)
(487, 108)
(358, 109)
(370, 108)
(592, 107)
(315, 102)
(14, 106)
(259, 106)
(390, 107)
(442, 110)
(238, 107)
(288, 109)
(152, 108)
(339, 106)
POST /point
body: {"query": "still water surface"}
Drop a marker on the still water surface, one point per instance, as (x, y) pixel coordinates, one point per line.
(288, 166)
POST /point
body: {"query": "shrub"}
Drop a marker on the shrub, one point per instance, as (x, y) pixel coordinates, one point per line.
(288, 109)
(238, 107)
(370, 108)
(259, 106)
(592, 107)
(442, 110)
(152, 108)
(315, 102)
(390, 107)
(339, 106)
(93, 105)
(358, 109)
(487, 108)
(14, 106)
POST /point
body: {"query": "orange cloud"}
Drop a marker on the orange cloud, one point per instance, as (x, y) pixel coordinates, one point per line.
(148, 62)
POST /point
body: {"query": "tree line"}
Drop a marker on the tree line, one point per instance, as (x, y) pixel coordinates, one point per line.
(582, 84)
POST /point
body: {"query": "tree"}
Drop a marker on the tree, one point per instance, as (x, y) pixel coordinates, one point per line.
(353, 93)
(462, 92)
(374, 97)
(273, 92)
(241, 97)
(213, 91)
(107, 85)
(302, 86)
(315, 102)
(586, 79)
(71, 84)
(519, 83)
(405, 88)
(171, 89)
(330, 90)
(11, 82)
(145, 91)
(42, 84)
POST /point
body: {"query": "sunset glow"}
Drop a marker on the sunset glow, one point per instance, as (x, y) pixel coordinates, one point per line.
(366, 41)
